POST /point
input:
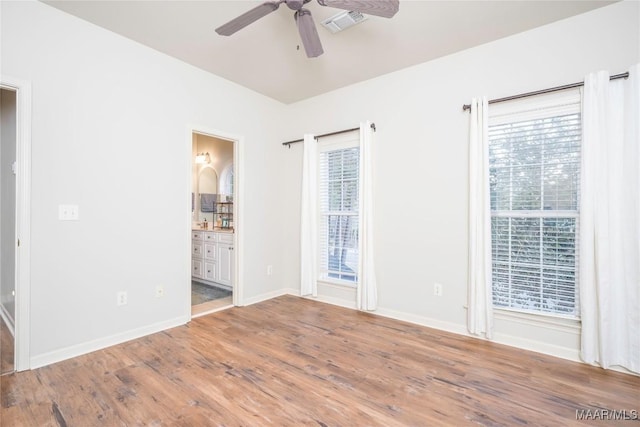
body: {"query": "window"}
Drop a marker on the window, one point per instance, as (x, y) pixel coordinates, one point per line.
(226, 180)
(534, 161)
(338, 204)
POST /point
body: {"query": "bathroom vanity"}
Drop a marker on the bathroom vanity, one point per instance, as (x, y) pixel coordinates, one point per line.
(212, 259)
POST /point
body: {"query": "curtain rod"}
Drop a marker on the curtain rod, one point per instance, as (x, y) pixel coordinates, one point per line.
(288, 144)
(466, 107)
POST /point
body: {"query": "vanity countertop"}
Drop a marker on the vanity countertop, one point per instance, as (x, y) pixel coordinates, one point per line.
(216, 229)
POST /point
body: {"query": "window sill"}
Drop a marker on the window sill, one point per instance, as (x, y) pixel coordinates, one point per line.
(549, 321)
(337, 283)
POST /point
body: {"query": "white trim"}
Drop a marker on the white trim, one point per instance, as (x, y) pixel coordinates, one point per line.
(551, 322)
(332, 300)
(572, 354)
(23, 219)
(238, 221)
(214, 310)
(429, 322)
(270, 295)
(337, 283)
(94, 345)
(238, 199)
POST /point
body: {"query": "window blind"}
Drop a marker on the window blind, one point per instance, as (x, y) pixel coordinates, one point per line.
(534, 157)
(338, 204)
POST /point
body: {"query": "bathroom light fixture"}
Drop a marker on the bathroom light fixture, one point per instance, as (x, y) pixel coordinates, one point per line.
(203, 158)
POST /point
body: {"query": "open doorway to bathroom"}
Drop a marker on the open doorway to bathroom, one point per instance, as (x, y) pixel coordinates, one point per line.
(8, 138)
(212, 225)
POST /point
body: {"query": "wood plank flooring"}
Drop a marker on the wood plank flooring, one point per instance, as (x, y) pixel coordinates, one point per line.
(291, 362)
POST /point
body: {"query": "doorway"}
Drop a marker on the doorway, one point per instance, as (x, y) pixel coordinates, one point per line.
(8, 138)
(213, 223)
(15, 225)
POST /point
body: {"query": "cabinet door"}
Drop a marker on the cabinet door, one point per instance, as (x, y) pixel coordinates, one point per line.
(196, 249)
(210, 251)
(210, 271)
(196, 268)
(225, 264)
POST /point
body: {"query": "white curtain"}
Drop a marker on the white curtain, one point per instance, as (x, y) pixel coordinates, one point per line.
(309, 219)
(367, 295)
(610, 221)
(480, 304)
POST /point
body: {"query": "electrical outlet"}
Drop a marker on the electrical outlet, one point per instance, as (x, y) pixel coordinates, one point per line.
(437, 289)
(159, 291)
(269, 270)
(68, 212)
(122, 298)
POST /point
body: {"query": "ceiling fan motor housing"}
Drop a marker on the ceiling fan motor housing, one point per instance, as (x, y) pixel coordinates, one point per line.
(296, 4)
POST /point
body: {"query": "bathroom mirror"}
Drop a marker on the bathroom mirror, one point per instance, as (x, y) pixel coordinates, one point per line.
(207, 186)
(208, 181)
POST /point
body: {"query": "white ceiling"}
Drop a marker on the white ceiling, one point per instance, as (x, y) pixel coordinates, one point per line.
(265, 58)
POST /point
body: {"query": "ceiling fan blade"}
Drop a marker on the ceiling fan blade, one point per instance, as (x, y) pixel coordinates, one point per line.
(384, 8)
(247, 18)
(308, 33)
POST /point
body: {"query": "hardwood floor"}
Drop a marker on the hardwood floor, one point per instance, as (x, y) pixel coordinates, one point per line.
(290, 361)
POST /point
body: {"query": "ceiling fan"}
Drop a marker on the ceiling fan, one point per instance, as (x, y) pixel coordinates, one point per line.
(304, 21)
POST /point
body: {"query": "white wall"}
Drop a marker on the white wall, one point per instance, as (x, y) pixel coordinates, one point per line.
(8, 202)
(421, 160)
(109, 133)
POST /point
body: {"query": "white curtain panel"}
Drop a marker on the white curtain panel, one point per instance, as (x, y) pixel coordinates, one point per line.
(367, 295)
(309, 219)
(480, 304)
(610, 221)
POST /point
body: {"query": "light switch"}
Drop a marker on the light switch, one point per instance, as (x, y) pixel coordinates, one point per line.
(68, 212)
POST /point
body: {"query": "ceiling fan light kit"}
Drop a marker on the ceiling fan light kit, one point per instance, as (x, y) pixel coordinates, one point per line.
(304, 20)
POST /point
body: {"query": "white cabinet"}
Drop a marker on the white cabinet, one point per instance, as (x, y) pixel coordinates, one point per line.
(196, 268)
(225, 259)
(197, 264)
(212, 257)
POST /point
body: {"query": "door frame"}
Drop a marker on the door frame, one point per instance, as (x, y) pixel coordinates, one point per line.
(22, 336)
(238, 199)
